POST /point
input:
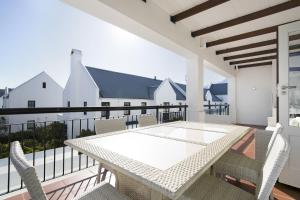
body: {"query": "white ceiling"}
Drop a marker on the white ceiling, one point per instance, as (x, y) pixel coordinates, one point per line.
(227, 11)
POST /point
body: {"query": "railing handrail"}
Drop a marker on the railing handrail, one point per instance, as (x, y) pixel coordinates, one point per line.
(43, 110)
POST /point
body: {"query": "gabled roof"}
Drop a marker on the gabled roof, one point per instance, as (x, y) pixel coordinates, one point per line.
(218, 89)
(2, 92)
(179, 95)
(120, 85)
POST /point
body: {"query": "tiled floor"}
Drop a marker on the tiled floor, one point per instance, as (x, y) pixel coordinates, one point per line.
(68, 187)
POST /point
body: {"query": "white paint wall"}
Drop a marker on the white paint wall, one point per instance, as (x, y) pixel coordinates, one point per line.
(80, 87)
(51, 96)
(254, 95)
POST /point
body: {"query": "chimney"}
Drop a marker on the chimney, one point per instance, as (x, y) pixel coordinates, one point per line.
(75, 59)
(6, 91)
(154, 77)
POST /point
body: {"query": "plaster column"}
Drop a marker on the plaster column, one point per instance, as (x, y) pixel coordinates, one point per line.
(232, 98)
(194, 89)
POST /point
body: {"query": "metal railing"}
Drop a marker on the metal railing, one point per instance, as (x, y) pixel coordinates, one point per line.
(43, 142)
(216, 109)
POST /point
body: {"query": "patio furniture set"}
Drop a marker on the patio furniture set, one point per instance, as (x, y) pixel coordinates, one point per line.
(178, 160)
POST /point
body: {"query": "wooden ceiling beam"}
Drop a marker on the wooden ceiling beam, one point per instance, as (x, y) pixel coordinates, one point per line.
(249, 17)
(253, 60)
(196, 9)
(255, 45)
(242, 36)
(248, 46)
(254, 65)
(250, 34)
(293, 47)
(245, 55)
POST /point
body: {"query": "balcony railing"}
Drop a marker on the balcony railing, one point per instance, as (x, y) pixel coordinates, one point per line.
(43, 142)
(216, 109)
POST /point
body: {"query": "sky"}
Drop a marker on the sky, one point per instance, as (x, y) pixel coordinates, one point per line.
(38, 36)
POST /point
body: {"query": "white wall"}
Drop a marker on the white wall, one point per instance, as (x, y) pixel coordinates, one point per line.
(80, 87)
(51, 96)
(165, 93)
(254, 95)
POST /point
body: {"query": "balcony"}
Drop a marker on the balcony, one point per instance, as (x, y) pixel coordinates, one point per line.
(43, 142)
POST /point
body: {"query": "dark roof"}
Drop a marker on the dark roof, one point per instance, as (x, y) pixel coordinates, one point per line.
(218, 89)
(2, 92)
(179, 95)
(120, 85)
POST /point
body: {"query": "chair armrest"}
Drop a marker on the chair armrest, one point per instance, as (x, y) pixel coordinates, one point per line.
(262, 139)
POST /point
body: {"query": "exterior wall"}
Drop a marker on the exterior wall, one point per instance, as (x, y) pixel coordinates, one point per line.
(254, 95)
(51, 96)
(165, 93)
(120, 102)
(80, 88)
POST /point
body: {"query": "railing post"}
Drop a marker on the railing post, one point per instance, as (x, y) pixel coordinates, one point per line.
(220, 109)
(209, 107)
(157, 115)
(227, 109)
(185, 112)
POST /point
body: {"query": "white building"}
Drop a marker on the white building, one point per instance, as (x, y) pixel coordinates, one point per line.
(39, 91)
(91, 87)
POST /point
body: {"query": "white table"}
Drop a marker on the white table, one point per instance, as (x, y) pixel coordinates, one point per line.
(161, 161)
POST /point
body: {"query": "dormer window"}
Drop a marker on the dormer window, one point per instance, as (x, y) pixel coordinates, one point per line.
(44, 85)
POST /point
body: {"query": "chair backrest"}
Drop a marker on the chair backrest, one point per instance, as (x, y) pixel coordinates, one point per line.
(110, 125)
(278, 130)
(27, 172)
(147, 120)
(272, 167)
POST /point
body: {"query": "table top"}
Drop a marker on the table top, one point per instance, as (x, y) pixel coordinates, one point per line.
(166, 157)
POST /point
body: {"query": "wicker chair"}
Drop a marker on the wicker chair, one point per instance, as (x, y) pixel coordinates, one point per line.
(147, 120)
(242, 167)
(105, 126)
(28, 174)
(212, 188)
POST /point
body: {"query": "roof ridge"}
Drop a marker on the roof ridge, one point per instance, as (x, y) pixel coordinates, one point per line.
(123, 73)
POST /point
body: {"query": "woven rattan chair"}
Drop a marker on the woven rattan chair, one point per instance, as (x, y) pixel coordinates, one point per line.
(103, 191)
(147, 120)
(106, 126)
(212, 188)
(242, 167)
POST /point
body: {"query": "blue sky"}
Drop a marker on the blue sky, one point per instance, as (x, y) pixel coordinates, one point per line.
(39, 35)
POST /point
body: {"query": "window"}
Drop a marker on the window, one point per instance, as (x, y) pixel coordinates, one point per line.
(31, 104)
(105, 113)
(84, 105)
(166, 110)
(143, 111)
(30, 124)
(69, 104)
(44, 85)
(126, 112)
